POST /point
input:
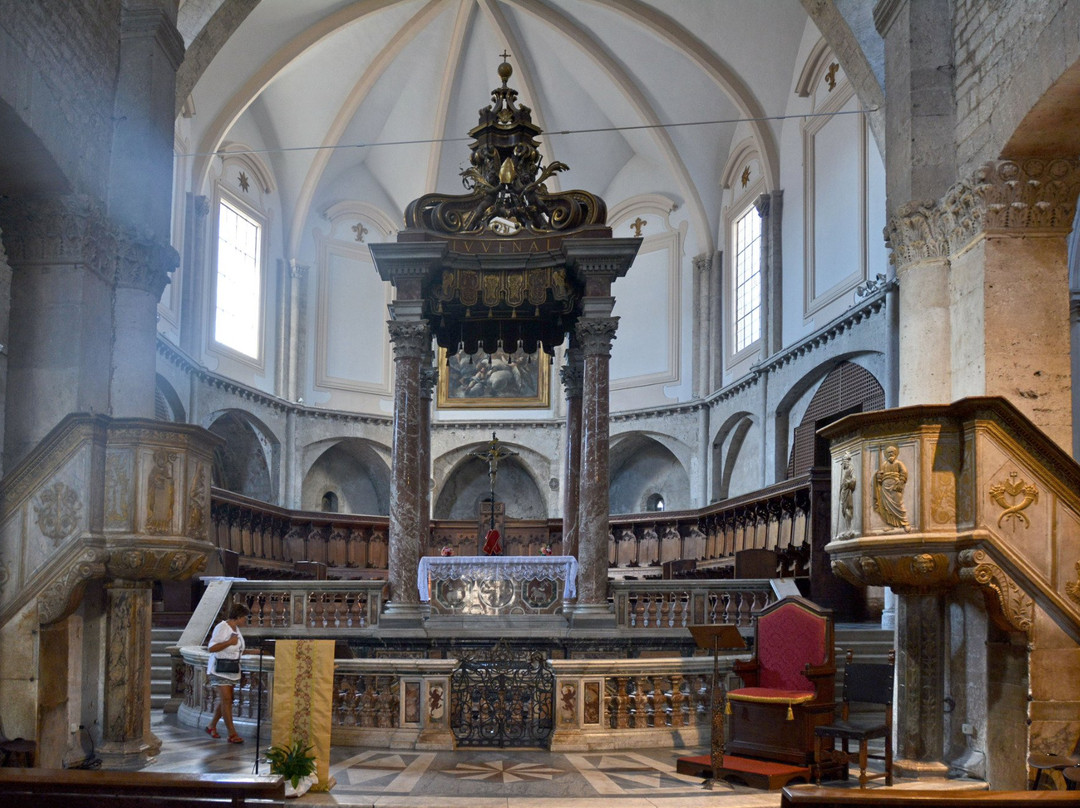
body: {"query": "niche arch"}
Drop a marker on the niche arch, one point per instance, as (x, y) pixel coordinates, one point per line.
(642, 466)
(245, 464)
(351, 474)
(466, 485)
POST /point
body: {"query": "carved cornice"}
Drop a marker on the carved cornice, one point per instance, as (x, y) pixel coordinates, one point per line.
(411, 339)
(1005, 600)
(594, 335)
(141, 562)
(902, 570)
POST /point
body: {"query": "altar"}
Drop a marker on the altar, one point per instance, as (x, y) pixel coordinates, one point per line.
(497, 585)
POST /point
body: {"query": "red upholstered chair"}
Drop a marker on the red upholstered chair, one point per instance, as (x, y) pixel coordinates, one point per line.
(789, 684)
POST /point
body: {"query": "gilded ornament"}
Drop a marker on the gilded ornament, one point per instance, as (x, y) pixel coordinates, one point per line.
(889, 482)
(57, 511)
(360, 231)
(745, 178)
(1005, 494)
(636, 226)
(160, 493)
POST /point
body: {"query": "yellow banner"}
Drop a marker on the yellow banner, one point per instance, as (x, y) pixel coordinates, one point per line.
(303, 695)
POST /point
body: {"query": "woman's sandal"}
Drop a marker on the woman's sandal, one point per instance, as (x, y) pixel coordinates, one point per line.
(235, 739)
(213, 733)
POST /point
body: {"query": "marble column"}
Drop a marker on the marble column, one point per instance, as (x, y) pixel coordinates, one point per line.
(594, 335)
(429, 376)
(920, 698)
(571, 374)
(127, 741)
(411, 341)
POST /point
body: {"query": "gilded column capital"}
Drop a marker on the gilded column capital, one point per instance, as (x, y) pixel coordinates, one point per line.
(411, 338)
(142, 262)
(1010, 606)
(594, 335)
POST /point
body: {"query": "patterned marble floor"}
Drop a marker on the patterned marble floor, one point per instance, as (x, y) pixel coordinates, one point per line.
(639, 778)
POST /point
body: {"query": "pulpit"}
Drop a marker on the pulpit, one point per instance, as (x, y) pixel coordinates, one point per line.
(496, 585)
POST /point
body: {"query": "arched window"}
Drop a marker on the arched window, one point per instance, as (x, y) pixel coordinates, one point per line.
(329, 502)
(654, 502)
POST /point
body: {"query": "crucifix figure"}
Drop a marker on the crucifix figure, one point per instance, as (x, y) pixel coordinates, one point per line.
(493, 454)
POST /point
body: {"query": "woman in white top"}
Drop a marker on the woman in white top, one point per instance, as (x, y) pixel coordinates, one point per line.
(226, 646)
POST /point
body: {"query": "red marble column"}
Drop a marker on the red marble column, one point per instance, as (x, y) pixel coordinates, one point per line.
(572, 378)
(429, 375)
(594, 336)
(411, 340)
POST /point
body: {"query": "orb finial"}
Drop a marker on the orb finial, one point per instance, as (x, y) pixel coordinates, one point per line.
(505, 70)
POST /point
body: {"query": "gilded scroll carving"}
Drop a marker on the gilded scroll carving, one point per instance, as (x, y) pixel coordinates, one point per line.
(160, 493)
(57, 511)
(889, 482)
(1007, 602)
(1007, 492)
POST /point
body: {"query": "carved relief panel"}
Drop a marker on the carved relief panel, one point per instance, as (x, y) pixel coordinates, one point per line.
(893, 486)
(119, 489)
(847, 485)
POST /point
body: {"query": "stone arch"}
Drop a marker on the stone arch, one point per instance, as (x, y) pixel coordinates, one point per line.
(641, 465)
(467, 484)
(355, 472)
(847, 388)
(727, 452)
(244, 463)
(167, 404)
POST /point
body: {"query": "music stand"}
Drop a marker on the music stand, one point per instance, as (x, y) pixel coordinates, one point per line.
(723, 637)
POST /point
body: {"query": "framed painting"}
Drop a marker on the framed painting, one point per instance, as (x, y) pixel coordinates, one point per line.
(495, 381)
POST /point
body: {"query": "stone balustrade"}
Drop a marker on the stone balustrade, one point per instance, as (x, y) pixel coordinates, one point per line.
(678, 604)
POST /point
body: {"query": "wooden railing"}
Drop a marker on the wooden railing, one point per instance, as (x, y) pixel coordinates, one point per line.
(78, 788)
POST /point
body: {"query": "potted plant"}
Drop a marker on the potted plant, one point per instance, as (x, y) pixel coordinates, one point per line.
(296, 764)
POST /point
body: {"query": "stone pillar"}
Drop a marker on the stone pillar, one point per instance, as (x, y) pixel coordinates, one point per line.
(62, 254)
(920, 643)
(142, 272)
(193, 275)
(572, 380)
(1010, 287)
(295, 327)
(429, 376)
(127, 741)
(594, 335)
(412, 344)
(917, 236)
(770, 208)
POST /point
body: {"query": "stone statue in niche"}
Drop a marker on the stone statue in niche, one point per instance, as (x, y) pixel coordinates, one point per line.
(847, 491)
(889, 482)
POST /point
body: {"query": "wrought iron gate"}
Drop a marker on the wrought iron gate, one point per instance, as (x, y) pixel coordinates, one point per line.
(502, 698)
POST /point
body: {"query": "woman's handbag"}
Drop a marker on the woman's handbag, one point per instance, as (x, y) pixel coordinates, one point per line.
(227, 665)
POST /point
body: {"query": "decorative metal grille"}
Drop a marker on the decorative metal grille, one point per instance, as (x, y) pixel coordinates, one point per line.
(499, 698)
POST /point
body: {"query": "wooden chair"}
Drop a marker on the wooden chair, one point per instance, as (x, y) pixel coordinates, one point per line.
(789, 684)
(16, 751)
(1045, 764)
(864, 683)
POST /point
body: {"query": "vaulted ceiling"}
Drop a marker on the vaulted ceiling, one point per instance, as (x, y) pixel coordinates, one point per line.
(373, 99)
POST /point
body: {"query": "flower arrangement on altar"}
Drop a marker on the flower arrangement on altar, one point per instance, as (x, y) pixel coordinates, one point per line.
(447, 551)
(545, 550)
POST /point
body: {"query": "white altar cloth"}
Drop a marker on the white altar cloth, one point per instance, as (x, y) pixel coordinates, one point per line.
(498, 568)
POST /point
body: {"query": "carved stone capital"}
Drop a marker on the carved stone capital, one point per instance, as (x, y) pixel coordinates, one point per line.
(594, 335)
(58, 230)
(1006, 602)
(297, 270)
(202, 206)
(702, 264)
(572, 376)
(411, 338)
(144, 263)
(429, 377)
(917, 233)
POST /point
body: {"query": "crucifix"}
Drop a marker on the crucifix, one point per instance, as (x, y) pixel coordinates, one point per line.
(493, 454)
